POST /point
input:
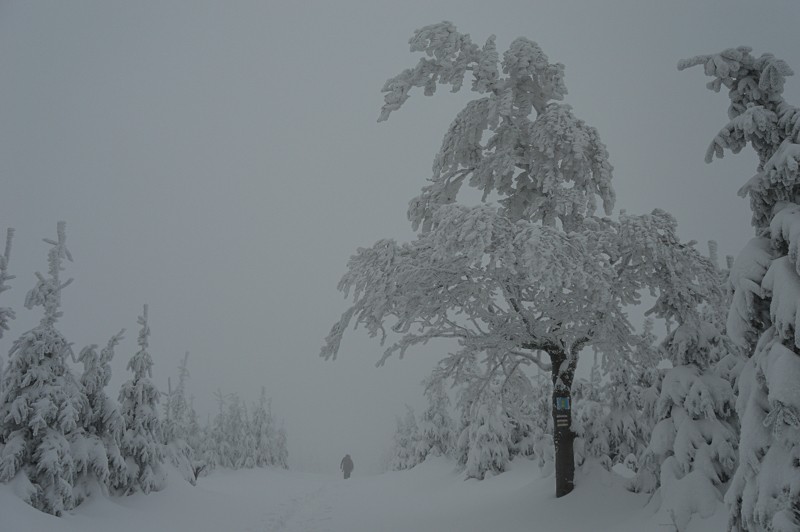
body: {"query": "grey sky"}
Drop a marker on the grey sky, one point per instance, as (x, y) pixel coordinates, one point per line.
(221, 161)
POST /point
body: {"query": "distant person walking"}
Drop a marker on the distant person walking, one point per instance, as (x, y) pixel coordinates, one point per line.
(346, 465)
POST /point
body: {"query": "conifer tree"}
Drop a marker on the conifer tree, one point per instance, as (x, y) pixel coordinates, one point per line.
(263, 428)
(42, 403)
(764, 494)
(282, 448)
(220, 453)
(102, 423)
(406, 438)
(248, 441)
(6, 313)
(235, 432)
(488, 436)
(436, 429)
(141, 442)
(519, 405)
(176, 424)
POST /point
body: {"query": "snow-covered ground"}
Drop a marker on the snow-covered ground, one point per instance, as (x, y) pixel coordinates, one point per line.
(432, 497)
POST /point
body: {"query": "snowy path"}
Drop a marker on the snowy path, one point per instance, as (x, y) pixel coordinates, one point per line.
(304, 512)
(433, 497)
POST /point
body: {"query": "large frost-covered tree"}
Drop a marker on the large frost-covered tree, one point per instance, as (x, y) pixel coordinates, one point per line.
(141, 442)
(763, 317)
(42, 403)
(531, 269)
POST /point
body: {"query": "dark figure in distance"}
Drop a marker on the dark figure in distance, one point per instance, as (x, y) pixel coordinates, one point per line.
(346, 465)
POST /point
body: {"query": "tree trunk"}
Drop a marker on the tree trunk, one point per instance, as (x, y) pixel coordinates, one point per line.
(563, 371)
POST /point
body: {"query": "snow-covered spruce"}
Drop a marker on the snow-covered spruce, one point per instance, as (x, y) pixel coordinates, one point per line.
(6, 313)
(526, 422)
(264, 431)
(42, 403)
(406, 449)
(488, 436)
(436, 427)
(101, 459)
(240, 448)
(239, 439)
(535, 271)
(765, 491)
(175, 425)
(615, 414)
(141, 441)
(691, 454)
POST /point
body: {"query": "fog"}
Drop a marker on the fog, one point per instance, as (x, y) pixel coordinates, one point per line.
(220, 161)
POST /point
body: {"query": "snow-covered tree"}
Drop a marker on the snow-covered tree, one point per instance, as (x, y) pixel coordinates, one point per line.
(535, 270)
(218, 441)
(519, 401)
(235, 452)
(282, 448)
(175, 427)
(42, 403)
(264, 430)
(102, 423)
(589, 422)
(176, 407)
(6, 313)
(141, 441)
(248, 444)
(266, 434)
(436, 427)
(692, 449)
(488, 436)
(615, 408)
(406, 442)
(198, 439)
(765, 278)
(631, 394)
(542, 402)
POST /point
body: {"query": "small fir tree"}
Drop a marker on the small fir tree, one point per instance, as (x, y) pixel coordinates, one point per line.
(519, 404)
(6, 313)
(176, 425)
(102, 423)
(406, 440)
(436, 428)
(263, 428)
(141, 441)
(282, 448)
(488, 436)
